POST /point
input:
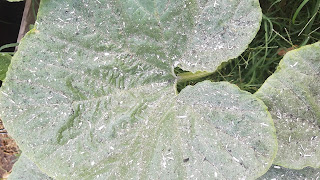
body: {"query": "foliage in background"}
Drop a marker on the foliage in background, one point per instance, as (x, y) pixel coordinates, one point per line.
(5, 60)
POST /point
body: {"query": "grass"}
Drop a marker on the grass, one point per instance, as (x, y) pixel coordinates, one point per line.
(286, 24)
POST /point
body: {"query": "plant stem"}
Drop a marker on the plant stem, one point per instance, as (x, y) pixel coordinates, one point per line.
(189, 76)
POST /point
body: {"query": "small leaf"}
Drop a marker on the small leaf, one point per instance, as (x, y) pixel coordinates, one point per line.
(280, 173)
(292, 94)
(5, 60)
(24, 168)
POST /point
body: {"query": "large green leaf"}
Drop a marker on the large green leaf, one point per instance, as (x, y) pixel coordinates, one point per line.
(292, 94)
(280, 173)
(5, 60)
(25, 169)
(90, 94)
(226, 128)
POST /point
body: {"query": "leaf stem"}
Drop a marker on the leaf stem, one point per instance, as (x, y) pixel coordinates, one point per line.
(189, 76)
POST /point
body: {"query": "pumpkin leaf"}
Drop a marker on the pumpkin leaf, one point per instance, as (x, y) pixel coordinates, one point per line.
(280, 173)
(215, 118)
(292, 94)
(91, 94)
(223, 31)
(26, 169)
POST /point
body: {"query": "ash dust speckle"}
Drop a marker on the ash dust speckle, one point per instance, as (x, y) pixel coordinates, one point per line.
(114, 59)
(293, 103)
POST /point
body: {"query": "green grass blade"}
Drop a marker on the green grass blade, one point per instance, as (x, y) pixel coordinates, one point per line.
(298, 11)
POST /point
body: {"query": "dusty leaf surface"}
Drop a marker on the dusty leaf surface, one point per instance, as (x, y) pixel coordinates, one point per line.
(292, 95)
(26, 169)
(93, 86)
(281, 173)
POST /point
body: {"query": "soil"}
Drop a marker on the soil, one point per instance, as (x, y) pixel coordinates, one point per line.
(9, 152)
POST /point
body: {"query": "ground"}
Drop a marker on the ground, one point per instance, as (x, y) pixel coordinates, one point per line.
(9, 152)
